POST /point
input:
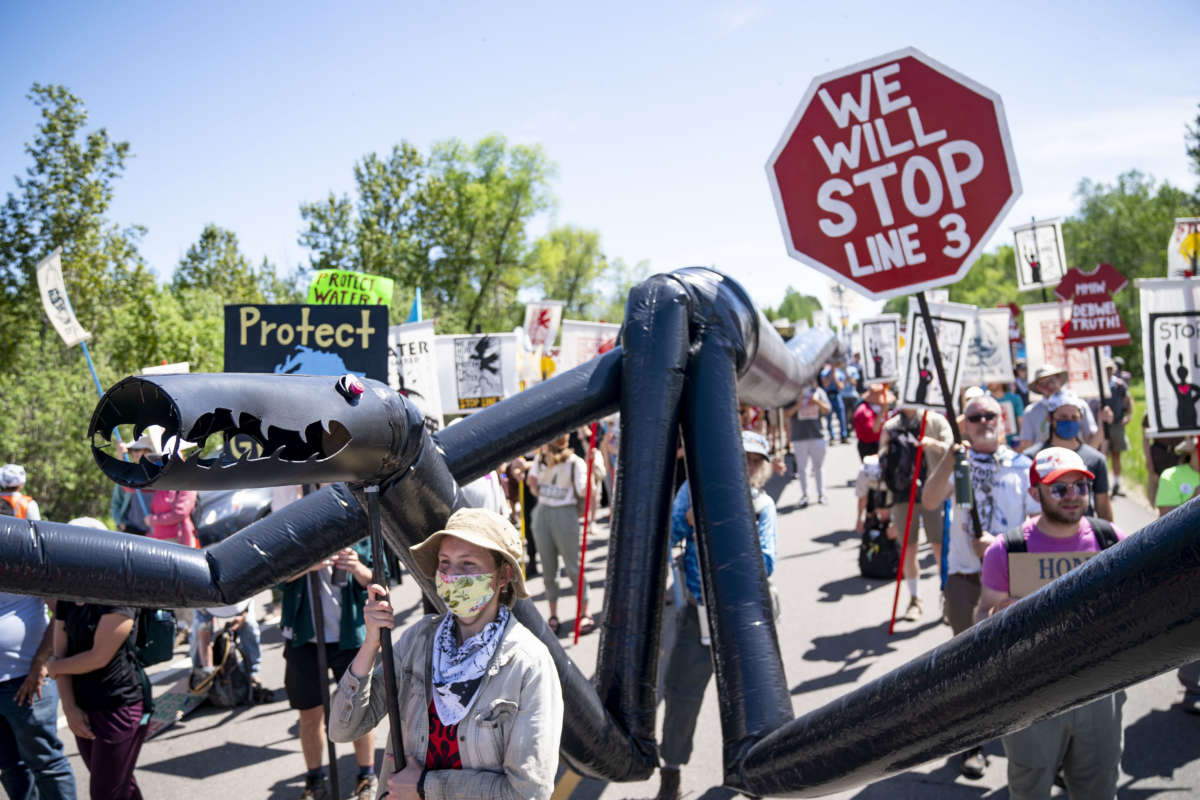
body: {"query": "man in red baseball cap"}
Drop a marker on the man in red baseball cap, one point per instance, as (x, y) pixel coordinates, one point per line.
(1085, 743)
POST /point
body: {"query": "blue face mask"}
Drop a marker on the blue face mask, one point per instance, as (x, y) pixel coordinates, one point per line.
(1067, 428)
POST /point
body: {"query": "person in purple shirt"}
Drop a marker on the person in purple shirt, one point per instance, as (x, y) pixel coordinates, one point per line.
(1084, 742)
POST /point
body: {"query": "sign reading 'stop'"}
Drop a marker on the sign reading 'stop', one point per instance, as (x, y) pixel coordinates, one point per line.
(893, 173)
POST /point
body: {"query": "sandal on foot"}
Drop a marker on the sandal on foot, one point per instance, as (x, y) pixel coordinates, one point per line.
(552, 624)
(586, 624)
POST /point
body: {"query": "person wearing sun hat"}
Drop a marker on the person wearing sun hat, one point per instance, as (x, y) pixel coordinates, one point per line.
(1085, 741)
(1047, 381)
(479, 694)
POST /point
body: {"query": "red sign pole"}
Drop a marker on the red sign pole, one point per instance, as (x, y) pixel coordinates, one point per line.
(587, 513)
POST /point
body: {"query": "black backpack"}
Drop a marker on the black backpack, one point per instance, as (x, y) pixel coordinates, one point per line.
(154, 641)
(899, 460)
(878, 556)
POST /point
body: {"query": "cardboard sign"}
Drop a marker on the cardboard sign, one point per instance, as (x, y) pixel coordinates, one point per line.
(1170, 311)
(307, 340)
(1028, 572)
(340, 286)
(54, 300)
(989, 357)
(1038, 249)
(920, 387)
(583, 341)
(178, 368)
(1183, 248)
(881, 348)
(484, 370)
(1044, 324)
(413, 369)
(542, 321)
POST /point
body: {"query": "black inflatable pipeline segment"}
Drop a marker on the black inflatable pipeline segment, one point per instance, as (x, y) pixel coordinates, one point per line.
(518, 424)
(297, 428)
(76, 563)
(656, 349)
(1128, 614)
(751, 685)
(769, 375)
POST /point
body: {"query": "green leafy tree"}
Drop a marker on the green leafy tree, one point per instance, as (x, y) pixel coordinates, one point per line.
(215, 262)
(795, 307)
(567, 263)
(452, 222)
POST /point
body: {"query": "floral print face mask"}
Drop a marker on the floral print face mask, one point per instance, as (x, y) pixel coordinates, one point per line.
(465, 595)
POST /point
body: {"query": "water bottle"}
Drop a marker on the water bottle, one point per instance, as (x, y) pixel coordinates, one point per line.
(962, 481)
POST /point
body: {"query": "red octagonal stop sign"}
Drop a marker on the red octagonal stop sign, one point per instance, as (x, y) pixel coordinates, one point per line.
(893, 173)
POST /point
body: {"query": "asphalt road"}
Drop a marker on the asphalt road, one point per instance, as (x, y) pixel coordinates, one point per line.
(834, 637)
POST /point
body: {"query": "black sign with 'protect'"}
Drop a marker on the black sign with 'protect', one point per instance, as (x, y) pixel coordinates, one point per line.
(307, 339)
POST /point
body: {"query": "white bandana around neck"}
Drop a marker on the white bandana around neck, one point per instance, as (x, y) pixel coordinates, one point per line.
(458, 670)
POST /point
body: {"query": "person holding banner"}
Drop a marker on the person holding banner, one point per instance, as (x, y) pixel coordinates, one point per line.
(479, 694)
(1086, 741)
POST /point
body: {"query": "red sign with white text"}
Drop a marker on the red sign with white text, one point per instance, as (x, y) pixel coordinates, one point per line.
(893, 174)
(1094, 317)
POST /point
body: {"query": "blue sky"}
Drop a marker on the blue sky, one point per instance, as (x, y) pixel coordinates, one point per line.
(660, 117)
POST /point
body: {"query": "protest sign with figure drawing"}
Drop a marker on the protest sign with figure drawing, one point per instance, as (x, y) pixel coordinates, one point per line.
(920, 387)
(881, 348)
(1171, 351)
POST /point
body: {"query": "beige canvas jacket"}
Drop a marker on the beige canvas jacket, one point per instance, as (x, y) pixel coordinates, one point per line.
(509, 739)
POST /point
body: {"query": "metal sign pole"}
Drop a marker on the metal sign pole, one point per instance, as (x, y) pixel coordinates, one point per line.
(385, 634)
(931, 335)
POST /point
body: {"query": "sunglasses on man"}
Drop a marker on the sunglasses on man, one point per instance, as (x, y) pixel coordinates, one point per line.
(986, 416)
(1080, 488)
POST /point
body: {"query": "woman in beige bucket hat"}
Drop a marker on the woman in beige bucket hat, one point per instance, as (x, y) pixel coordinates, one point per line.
(478, 693)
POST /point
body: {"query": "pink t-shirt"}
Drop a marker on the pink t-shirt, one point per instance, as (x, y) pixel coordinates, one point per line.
(995, 560)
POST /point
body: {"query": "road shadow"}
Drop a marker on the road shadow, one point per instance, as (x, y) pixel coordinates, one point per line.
(835, 538)
(834, 591)
(844, 674)
(290, 788)
(941, 783)
(216, 760)
(1157, 745)
(871, 641)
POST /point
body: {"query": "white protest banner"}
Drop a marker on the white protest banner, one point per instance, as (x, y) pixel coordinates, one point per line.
(989, 358)
(1183, 248)
(54, 300)
(881, 348)
(541, 322)
(484, 373)
(413, 369)
(920, 387)
(1044, 323)
(583, 341)
(820, 319)
(1171, 353)
(178, 368)
(1038, 249)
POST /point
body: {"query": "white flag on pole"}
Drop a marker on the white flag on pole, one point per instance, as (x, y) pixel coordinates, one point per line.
(54, 299)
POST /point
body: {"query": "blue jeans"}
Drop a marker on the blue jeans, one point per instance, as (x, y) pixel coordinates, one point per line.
(838, 411)
(32, 763)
